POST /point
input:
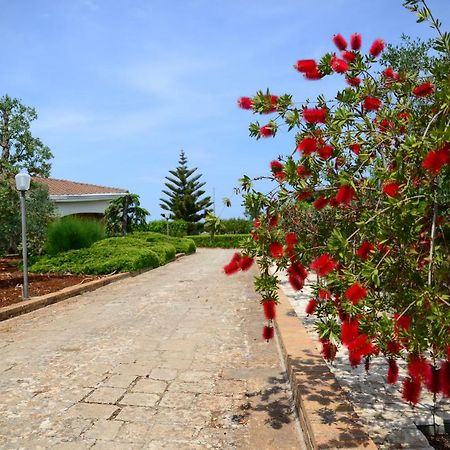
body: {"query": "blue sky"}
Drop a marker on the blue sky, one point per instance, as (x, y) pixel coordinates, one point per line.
(120, 86)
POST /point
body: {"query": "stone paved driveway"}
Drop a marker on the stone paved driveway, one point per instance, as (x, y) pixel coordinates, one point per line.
(172, 358)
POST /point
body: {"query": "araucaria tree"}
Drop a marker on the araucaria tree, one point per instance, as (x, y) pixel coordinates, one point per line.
(362, 201)
(186, 199)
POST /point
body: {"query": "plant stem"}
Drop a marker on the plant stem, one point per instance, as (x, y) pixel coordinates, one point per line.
(433, 238)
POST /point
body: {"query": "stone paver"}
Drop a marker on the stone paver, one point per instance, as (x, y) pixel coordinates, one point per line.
(172, 358)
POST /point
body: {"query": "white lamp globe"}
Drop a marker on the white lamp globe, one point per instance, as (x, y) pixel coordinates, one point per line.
(23, 181)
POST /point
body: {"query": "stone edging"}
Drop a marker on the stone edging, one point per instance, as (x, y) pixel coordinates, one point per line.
(327, 418)
(26, 306)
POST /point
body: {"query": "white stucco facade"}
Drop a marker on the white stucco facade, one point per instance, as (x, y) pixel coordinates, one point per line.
(67, 205)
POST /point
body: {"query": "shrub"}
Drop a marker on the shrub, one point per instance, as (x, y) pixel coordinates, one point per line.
(219, 241)
(176, 227)
(117, 254)
(236, 226)
(182, 245)
(70, 233)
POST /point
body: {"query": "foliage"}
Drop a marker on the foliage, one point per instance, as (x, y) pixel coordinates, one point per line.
(236, 226)
(185, 196)
(374, 161)
(19, 148)
(124, 215)
(117, 254)
(175, 227)
(70, 233)
(213, 225)
(181, 244)
(219, 240)
(40, 212)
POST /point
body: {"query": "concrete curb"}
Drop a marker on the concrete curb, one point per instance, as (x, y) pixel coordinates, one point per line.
(17, 309)
(327, 418)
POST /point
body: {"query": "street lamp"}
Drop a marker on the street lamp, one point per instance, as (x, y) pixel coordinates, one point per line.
(23, 184)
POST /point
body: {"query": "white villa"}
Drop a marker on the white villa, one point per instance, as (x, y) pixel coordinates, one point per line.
(81, 199)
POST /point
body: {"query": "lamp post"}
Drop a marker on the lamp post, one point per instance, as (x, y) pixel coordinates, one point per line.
(23, 184)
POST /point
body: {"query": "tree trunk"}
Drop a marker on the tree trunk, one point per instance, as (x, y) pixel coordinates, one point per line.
(125, 215)
(4, 143)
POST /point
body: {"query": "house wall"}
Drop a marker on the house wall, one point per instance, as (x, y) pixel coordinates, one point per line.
(81, 207)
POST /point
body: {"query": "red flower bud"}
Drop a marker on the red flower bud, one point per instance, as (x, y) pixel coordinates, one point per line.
(266, 131)
(245, 103)
(338, 65)
(354, 81)
(306, 65)
(423, 90)
(392, 376)
(355, 293)
(355, 41)
(311, 306)
(411, 391)
(355, 148)
(372, 104)
(377, 47)
(269, 307)
(315, 115)
(339, 41)
(323, 265)
(313, 75)
(325, 152)
(391, 188)
(268, 333)
(276, 250)
(307, 145)
(320, 203)
(348, 56)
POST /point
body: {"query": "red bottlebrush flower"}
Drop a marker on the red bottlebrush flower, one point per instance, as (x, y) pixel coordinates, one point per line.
(418, 368)
(444, 378)
(245, 263)
(313, 75)
(297, 269)
(392, 376)
(372, 104)
(266, 131)
(433, 380)
(436, 159)
(276, 250)
(345, 195)
(383, 248)
(323, 265)
(324, 294)
(311, 306)
(333, 202)
(364, 249)
(256, 222)
(358, 348)
(328, 350)
(268, 333)
(355, 148)
(273, 221)
(291, 239)
(423, 90)
(280, 176)
(269, 307)
(404, 115)
(355, 293)
(389, 73)
(315, 115)
(234, 265)
(349, 331)
(325, 152)
(296, 282)
(401, 322)
(303, 172)
(303, 195)
(377, 47)
(355, 41)
(276, 166)
(339, 65)
(391, 188)
(353, 81)
(307, 145)
(245, 103)
(385, 125)
(306, 65)
(339, 41)
(320, 203)
(348, 56)
(411, 391)
(394, 347)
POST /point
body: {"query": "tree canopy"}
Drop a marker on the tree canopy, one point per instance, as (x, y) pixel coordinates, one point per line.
(186, 199)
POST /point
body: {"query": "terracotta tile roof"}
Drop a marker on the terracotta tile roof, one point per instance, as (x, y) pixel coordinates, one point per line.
(66, 187)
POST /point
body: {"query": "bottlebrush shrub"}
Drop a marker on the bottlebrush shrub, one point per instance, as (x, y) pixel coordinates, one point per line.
(370, 215)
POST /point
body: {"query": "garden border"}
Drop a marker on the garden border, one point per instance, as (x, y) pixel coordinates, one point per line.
(34, 303)
(327, 418)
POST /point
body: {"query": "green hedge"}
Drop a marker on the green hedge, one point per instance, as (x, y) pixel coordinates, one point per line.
(182, 245)
(177, 228)
(71, 233)
(219, 241)
(117, 254)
